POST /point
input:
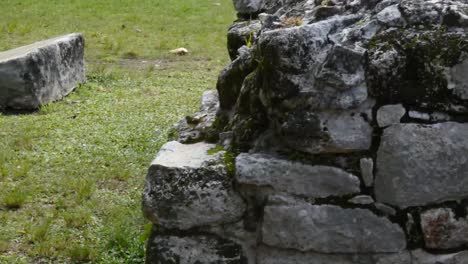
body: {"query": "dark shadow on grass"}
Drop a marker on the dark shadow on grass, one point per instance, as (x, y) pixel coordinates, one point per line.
(11, 111)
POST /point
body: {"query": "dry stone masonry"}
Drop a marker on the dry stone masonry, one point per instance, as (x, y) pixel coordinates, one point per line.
(337, 135)
(42, 72)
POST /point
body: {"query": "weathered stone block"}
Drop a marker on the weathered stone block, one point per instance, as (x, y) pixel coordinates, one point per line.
(280, 256)
(390, 114)
(330, 229)
(327, 132)
(442, 230)
(194, 249)
(421, 257)
(42, 72)
(294, 177)
(187, 187)
(422, 164)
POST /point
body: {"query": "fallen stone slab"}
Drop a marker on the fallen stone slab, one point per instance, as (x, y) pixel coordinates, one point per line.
(422, 164)
(330, 229)
(294, 177)
(188, 187)
(42, 72)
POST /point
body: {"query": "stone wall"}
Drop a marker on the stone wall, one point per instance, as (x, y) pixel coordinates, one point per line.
(338, 134)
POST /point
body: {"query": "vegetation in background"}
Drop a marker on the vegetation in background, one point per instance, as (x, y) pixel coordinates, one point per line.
(71, 174)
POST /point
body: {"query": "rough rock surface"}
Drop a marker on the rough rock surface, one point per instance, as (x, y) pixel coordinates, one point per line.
(422, 164)
(277, 256)
(330, 229)
(193, 249)
(442, 230)
(198, 127)
(294, 177)
(42, 72)
(186, 187)
(421, 257)
(367, 171)
(390, 115)
(345, 125)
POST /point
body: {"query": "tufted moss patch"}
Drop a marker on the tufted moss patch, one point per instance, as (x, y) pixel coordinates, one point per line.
(418, 63)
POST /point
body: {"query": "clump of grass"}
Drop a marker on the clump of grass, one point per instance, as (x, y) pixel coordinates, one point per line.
(38, 233)
(14, 198)
(130, 55)
(77, 218)
(80, 253)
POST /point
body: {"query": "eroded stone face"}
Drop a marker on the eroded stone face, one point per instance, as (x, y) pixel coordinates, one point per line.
(207, 249)
(42, 72)
(186, 187)
(421, 257)
(422, 164)
(277, 256)
(294, 177)
(330, 229)
(442, 230)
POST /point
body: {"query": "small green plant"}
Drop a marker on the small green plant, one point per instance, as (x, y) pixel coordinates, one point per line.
(38, 233)
(250, 39)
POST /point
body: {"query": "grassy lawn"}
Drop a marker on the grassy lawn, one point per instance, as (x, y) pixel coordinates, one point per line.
(71, 174)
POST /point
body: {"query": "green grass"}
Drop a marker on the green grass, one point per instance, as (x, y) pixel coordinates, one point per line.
(71, 174)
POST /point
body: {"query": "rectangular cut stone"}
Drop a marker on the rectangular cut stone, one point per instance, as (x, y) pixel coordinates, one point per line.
(422, 164)
(330, 229)
(187, 187)
(294, 177)
(42, 72)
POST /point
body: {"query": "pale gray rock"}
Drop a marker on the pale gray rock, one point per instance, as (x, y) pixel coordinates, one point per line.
(390, 16)
(192, 250)
(367, 171)
(419, 115)
(268, 255)
(435, 12)
(361, 199)
(42, 72)
(294, 177)
(458, 79)
(330, 229)
(422, 164)
(186, 187)
(421, 257)
(390, 114)
(248, 6)
(301, 61)
(442, 230)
